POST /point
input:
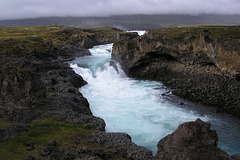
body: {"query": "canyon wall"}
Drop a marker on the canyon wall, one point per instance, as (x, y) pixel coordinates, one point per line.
(201, 64)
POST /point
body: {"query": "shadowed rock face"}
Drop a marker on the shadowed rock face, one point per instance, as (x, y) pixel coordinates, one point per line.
(191, 140)
(201, 65)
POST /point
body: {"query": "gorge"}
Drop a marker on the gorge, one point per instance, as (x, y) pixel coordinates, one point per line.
(43, 116)
(146, 110)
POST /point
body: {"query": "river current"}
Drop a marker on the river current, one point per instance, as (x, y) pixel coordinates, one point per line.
(146, 110)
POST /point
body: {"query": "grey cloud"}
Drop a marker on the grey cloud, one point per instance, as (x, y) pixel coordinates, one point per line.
(11, 9)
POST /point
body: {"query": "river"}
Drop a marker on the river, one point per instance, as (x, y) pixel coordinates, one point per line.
(146, 110)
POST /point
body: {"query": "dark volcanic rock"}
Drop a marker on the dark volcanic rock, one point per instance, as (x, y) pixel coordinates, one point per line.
(29, 157)
(191, 140)
(9, 132)
(200, 68)
(122, 144)
(20, 91)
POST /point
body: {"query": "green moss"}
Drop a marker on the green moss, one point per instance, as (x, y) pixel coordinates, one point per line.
(40, 133)
(101, 29)
(49, 93)
(44, 130)
(107, 36)
(7, 66)
(132, 45)
(4, 123)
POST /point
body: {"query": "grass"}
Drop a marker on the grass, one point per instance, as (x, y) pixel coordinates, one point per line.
(40, 133)
(49, 93)
(23, 40)
(4, 123)
(216, 32)
(132, 45)
(21, 32)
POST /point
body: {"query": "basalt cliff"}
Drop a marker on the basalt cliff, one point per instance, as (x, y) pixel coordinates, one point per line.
(201, 64)
(44, 116)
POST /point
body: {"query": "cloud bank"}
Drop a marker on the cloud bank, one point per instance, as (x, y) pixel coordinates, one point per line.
(15, 9)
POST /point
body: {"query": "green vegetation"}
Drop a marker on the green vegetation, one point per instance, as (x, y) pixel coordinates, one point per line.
(49, 93)
(4, 123)
(218, 32)
(132, 45)
(45, 32)
(40, 133)
(24, 40)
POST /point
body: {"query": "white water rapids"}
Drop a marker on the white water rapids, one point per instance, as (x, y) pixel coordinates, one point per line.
(145, 110)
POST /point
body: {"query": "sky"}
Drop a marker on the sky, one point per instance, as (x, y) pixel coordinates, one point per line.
(17, 9)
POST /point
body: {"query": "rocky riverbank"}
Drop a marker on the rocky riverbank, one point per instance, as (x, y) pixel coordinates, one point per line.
(39, 93)
(42, 113)
(201, 64)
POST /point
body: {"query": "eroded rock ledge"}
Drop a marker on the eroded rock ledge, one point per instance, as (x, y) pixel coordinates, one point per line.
(201, 64)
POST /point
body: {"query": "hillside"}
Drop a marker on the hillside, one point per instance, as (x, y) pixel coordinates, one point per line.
(130, 21)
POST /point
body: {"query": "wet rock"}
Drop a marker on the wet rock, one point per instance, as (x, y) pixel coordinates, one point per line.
(235, 157)
(191, 140)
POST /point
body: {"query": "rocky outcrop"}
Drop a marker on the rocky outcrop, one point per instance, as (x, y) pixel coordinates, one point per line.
(36, 83)
(199, 63)
(191, 140)
(119, 146)
(122, 144)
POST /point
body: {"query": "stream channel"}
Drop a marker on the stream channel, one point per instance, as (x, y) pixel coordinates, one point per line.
(146, 110)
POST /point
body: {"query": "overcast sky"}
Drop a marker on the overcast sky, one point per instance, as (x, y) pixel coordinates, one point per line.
(14, 9)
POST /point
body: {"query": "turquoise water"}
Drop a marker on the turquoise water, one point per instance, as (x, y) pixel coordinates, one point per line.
(146, 110)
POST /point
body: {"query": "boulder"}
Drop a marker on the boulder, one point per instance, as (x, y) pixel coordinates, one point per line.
(191, 141)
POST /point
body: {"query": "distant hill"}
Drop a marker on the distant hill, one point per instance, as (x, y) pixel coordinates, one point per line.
(130, 21)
